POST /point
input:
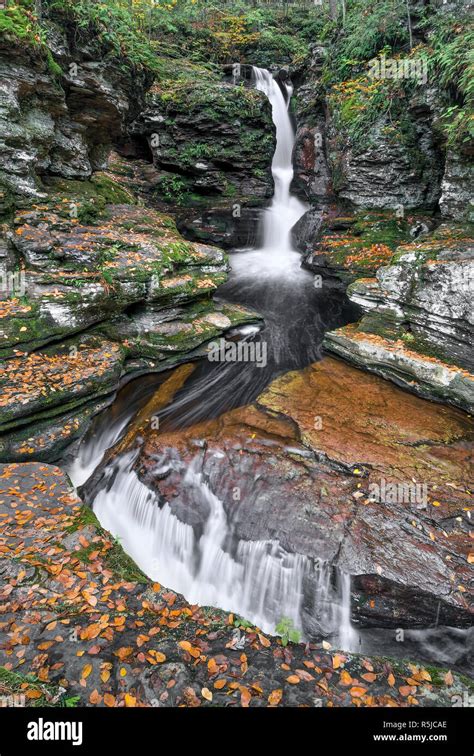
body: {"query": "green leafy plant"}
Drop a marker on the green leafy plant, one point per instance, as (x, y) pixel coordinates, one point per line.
(287, 631)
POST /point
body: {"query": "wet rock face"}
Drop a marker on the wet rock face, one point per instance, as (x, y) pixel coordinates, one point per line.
(456, 199)
(418, 325)
(388, 175)
(212, 152)
(61, 124)
(312, 180)
(310, 475)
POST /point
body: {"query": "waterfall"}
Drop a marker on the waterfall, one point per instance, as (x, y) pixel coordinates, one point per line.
(259, 580)
(285, 209)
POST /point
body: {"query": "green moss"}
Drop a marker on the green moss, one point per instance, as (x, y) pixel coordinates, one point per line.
(83, 518)
(19, 22)
(16, 683)
(123, 566)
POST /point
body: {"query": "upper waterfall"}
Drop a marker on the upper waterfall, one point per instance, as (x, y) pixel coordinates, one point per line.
(285, 209)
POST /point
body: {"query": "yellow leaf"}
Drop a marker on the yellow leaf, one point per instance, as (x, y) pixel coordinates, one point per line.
(206, 693)
(123, 671)
(86, 671)
(130, 701)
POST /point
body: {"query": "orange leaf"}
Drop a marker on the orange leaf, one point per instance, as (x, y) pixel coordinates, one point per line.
(275, 697)
(95, 697)
(369, 676)
(33, 694)
(448, 678)
(357, 691)
(293, 679)
(123, 652)
(264, 641)
(391, 680)
(109, 699)
(219, 684)
(338, 660)
(346, 679)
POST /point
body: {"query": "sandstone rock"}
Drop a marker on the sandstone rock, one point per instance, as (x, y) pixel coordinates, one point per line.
(418, 325)
(305, 464)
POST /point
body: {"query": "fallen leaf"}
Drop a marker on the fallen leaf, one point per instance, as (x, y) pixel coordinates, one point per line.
(275, 697)
(357, 691)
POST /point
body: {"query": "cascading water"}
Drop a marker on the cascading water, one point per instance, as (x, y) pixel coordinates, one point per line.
(209, 564)
(285, 209)
(258, 579)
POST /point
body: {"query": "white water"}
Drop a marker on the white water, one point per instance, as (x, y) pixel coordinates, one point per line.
(276, 257)
(285, 209)
(257, 579)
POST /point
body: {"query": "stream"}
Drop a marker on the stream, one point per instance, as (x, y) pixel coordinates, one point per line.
(259, 580)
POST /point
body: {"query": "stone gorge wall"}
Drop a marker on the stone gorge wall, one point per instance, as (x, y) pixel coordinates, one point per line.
(96, 286)
(376, 205)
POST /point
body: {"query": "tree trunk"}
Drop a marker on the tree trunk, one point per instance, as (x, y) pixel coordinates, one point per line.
(333, 9)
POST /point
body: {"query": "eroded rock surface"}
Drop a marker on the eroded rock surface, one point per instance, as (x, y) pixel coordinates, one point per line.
(307, 458)
(79, 619)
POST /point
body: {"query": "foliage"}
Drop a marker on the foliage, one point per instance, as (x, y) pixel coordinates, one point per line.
(379, 28)
(451, 61)
(173, 189)
(371, 26)
(287, 631)
(20, 22)
(115, 25)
